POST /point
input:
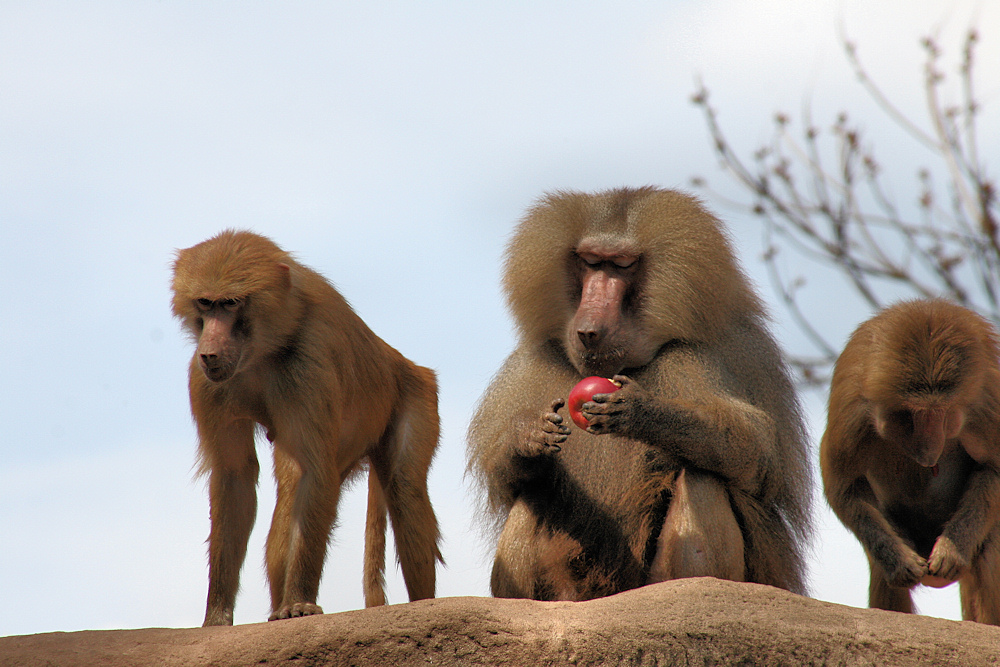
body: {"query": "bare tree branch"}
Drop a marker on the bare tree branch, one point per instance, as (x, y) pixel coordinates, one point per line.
(822, 196)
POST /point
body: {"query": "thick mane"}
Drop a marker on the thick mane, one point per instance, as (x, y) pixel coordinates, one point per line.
(695, 286)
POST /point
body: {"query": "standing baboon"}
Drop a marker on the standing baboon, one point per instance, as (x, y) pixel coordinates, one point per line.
(279, 347)
(910, 457)
(696, 466)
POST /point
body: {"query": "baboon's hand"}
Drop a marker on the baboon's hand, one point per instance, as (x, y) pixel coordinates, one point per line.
(908, 569)
(946, 561)
(613, 413)
(548, 433)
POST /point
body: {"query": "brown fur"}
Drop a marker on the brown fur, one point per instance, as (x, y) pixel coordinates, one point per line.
(280, 348)
(910, 457)
(706, 471)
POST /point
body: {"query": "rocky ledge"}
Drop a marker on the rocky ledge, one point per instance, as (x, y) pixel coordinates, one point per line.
(684, 622)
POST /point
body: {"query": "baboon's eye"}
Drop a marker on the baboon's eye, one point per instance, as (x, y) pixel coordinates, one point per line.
(231, 304)
(204, 304)
(625, 261)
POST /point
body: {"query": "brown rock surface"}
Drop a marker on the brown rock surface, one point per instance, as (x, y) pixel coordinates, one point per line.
(685, 622)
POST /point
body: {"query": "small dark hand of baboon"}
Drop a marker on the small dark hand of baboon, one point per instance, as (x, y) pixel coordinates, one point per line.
(612, 413)
(946, 561)
(550, 432)
(910, 568)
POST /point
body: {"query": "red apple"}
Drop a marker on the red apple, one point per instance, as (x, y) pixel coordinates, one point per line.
(583, 392)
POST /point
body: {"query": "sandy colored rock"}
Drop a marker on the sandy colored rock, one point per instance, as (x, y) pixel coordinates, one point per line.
(685, 622)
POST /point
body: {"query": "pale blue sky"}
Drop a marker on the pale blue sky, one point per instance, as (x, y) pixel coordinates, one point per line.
(392, 146)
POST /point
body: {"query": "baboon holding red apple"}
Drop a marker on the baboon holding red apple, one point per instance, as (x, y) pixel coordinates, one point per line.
(696, 466)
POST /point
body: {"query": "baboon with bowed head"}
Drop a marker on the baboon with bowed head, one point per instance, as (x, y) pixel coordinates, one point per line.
(280, 348)
(911, 453)
(696, 466)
